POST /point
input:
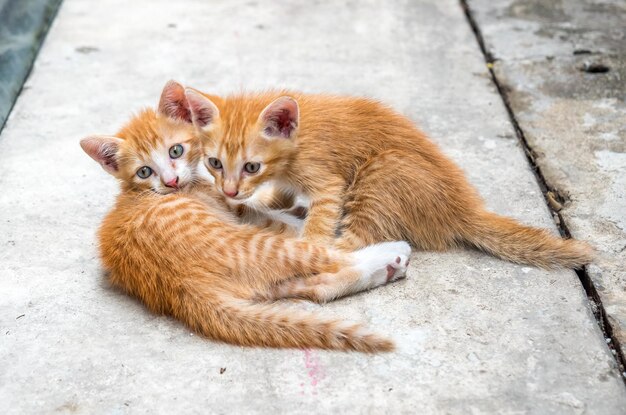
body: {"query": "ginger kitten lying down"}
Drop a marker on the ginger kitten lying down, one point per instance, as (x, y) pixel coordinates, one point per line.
(367, 170)
(173, 243)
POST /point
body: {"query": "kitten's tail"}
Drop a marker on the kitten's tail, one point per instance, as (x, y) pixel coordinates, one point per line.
(510, 240)
(247, 323)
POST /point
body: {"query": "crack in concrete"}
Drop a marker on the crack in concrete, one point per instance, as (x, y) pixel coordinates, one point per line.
(595, 302)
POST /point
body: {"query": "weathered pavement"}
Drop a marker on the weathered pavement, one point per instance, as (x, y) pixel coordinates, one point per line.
(23, 23)
(562, 67)
(475, 334)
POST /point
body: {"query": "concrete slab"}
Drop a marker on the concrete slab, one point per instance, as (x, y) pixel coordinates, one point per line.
(572, 117)
(23, 24)
(475, 334)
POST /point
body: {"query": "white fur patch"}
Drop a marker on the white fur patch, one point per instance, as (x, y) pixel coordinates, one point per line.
(203, 173)
(255, 200)
(161, 161)
(373, 262)
(258, 202)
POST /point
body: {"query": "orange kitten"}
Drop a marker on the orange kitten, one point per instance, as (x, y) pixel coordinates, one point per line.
(178, 248)
(367, 170)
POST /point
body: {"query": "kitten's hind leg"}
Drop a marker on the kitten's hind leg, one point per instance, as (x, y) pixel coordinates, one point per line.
(383, 262)
(371, 267)
(400, 195)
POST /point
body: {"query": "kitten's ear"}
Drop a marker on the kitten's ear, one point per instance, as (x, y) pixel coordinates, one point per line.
(203, 111)
(103, 149)
(280, 118)
(173, 103)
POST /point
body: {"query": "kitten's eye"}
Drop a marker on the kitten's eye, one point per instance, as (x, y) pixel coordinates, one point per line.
(215, 163)
(252, 167)
(176, 151)
(144, 172)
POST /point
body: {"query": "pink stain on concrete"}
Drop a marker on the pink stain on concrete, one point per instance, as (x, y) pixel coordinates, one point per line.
(314, 369)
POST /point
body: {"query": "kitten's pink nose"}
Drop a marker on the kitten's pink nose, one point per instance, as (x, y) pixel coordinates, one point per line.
(172, 183)
(231, 193)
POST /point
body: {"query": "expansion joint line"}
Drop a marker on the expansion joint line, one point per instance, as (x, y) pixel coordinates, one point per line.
(549, 193)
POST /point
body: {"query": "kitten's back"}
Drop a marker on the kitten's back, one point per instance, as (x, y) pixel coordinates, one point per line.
(178, 254)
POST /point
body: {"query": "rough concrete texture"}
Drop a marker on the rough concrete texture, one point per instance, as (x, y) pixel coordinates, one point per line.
(23, 24)
(573, 119)
(475, 334)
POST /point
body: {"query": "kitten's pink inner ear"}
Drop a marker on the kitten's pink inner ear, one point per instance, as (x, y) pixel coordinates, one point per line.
(203, 111)
(103, 149)
(173, 103)
(280, 118)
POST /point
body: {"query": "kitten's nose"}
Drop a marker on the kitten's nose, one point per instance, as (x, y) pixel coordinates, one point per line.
(231, 193)
(172, 183)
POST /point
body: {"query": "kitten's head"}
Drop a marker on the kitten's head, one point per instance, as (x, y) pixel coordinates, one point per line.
(247, 141)
(153, 151)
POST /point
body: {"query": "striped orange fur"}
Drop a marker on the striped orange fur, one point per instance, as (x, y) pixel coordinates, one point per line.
(182, 252)
(368, 171)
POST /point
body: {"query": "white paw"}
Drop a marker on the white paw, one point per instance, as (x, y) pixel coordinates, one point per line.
(382, 263)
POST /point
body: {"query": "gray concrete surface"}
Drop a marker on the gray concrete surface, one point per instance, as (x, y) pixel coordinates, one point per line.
(574, 121)
(475, 334)
(23, 24)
